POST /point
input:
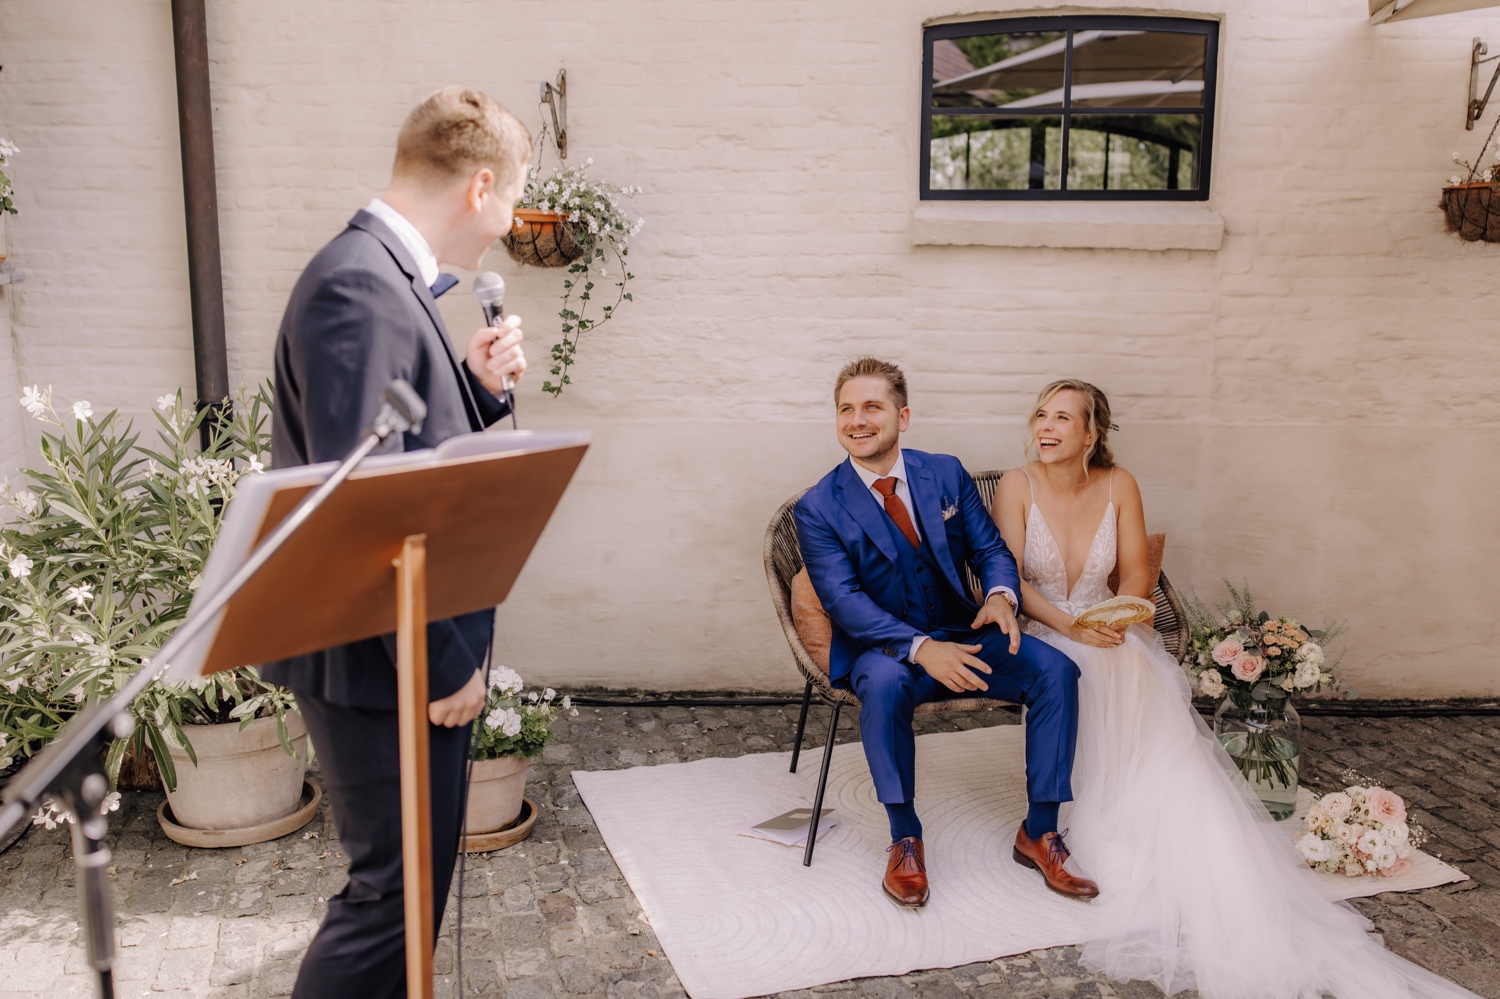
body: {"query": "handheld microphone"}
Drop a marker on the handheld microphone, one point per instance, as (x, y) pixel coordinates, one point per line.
(489, 288)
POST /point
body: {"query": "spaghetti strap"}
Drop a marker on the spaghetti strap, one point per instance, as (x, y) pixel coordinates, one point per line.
(1030, 486)
(1111, 485)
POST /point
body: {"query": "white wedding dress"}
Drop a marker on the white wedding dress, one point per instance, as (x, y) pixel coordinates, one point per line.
(1198, 886)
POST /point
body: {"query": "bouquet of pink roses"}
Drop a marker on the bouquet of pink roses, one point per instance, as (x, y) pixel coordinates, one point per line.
(1239, 650)
(1358, 831)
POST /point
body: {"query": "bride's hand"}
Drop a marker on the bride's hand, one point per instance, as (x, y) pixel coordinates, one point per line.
(1102, 638)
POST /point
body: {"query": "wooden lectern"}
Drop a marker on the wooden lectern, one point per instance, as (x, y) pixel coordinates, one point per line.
(408, 539)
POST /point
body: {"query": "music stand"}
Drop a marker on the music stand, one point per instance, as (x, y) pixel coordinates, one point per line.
(413, 538)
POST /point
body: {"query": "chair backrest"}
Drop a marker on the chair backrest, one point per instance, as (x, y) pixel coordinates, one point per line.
(783, 560)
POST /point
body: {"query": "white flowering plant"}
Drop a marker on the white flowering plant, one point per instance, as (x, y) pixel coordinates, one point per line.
(602, 228)
(1359, 831)
(1236, 649)
(516, 722)
(7, 202)
(99, 556)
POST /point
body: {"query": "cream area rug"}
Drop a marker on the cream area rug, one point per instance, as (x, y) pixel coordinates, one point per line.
(742, 917)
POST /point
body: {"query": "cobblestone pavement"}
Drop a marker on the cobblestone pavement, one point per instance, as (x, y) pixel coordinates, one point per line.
(552, 916)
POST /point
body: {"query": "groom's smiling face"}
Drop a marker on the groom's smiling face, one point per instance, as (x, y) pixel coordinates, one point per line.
(870, 422)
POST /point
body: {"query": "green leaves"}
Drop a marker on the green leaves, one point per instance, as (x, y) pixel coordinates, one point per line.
(116, 534)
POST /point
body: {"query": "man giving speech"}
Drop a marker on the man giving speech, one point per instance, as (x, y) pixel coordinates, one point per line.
(361, 315)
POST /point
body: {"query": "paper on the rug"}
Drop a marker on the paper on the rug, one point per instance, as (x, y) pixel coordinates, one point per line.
(790, 828)
(737, 919)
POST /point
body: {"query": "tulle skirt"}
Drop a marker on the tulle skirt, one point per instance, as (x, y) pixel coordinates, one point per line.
(1199, 887)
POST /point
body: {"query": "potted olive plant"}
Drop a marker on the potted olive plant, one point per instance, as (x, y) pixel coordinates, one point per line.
(98, 562)
(512, 730)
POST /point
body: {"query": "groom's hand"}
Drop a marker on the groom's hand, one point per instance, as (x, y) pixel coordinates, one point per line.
(951, 664)
(998, 611)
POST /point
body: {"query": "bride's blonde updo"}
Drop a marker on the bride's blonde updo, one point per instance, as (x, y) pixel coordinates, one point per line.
(1096, 416)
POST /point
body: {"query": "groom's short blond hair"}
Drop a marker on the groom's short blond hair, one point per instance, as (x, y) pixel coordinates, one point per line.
(873, 366)
(458, 130)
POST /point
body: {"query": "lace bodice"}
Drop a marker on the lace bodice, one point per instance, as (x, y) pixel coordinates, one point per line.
(1044, 568)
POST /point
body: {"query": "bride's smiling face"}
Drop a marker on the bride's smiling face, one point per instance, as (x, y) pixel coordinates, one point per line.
(1059, 428)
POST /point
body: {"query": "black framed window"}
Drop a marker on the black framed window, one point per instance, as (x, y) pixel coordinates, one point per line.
(1069, 108)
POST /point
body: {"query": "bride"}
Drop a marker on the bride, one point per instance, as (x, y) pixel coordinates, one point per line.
(1198, 886)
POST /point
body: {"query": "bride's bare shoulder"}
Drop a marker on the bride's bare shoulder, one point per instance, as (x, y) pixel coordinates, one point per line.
(1014, 487)
(1125, 485)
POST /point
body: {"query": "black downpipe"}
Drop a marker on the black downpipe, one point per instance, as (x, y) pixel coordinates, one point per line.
(201, 203)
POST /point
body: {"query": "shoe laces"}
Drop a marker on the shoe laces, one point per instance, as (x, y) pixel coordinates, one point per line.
(908, 859)
(1057, 850)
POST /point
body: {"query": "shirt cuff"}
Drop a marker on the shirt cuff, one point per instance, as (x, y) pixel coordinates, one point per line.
(916, 643)
(1008, 593)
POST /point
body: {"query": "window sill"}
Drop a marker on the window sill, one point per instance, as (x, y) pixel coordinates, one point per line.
(1105, 225)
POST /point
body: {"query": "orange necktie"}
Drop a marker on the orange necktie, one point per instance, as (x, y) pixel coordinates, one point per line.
(896, 510)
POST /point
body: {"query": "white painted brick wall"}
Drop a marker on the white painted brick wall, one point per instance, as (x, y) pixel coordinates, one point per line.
(1311, 408)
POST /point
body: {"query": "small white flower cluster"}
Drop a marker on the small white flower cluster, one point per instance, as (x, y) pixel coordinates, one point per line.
(505, 720)
(506, 680)
(51, 815)
(592, 204)
(1358, 831)
(200, 474)
(38, 403)
(7, 148)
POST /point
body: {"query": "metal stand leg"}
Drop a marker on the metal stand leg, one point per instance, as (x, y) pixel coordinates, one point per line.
(801, 725)
(817, 809)
(83, 795)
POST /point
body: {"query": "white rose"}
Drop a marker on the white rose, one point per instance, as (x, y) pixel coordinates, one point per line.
(1395, 832)
(1211, 683)
(1307, 675)
(1370, 842)
(1337, 804)
(1310, 652)
(1385, 856)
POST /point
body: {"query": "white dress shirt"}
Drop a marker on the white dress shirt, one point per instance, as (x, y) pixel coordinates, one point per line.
(903, 493)
(415, 243)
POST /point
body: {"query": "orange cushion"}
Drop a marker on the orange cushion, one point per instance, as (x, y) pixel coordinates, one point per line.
(811, 621)
(1155, 546)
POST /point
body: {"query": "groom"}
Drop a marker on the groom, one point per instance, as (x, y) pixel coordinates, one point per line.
(885, 537)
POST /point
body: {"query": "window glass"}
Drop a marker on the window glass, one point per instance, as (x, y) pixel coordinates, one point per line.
(995, 154)
(997, 71)
(1133, 152)
(1080, 106)
(1138, 69)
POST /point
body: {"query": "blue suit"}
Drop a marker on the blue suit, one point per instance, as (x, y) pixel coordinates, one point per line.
(882, 593)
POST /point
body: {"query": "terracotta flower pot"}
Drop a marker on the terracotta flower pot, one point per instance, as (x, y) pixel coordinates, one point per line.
(495, 793)
(243, 779)
(542, 239)
(1473, 211)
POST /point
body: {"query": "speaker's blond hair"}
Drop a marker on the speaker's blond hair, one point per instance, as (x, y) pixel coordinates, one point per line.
(458, 130)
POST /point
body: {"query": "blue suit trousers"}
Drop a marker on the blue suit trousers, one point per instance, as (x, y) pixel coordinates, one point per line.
(1038, 676)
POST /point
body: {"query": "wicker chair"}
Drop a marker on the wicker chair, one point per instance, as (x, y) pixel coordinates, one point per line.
(783, 560)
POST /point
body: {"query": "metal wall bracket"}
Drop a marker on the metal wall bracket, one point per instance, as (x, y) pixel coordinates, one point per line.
(1477, 103)
(556, 98)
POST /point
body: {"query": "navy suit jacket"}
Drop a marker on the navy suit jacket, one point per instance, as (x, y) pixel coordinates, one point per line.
(852, 560)
(359, 317)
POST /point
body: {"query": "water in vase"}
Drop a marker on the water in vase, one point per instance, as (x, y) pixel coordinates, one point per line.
(1269, 763)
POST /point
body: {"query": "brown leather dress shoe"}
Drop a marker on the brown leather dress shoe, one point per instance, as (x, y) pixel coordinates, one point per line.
(1048, 855)
(906, 873)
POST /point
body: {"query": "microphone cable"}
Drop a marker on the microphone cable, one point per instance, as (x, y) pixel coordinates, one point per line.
(463, 828)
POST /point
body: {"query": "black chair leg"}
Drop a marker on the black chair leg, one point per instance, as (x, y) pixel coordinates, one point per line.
(801, 725)
(817, 809)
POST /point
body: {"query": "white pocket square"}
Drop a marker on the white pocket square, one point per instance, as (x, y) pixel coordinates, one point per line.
(949, 512)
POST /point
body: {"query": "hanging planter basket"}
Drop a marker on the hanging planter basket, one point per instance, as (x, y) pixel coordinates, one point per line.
(1473, 211)
(542, 239)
